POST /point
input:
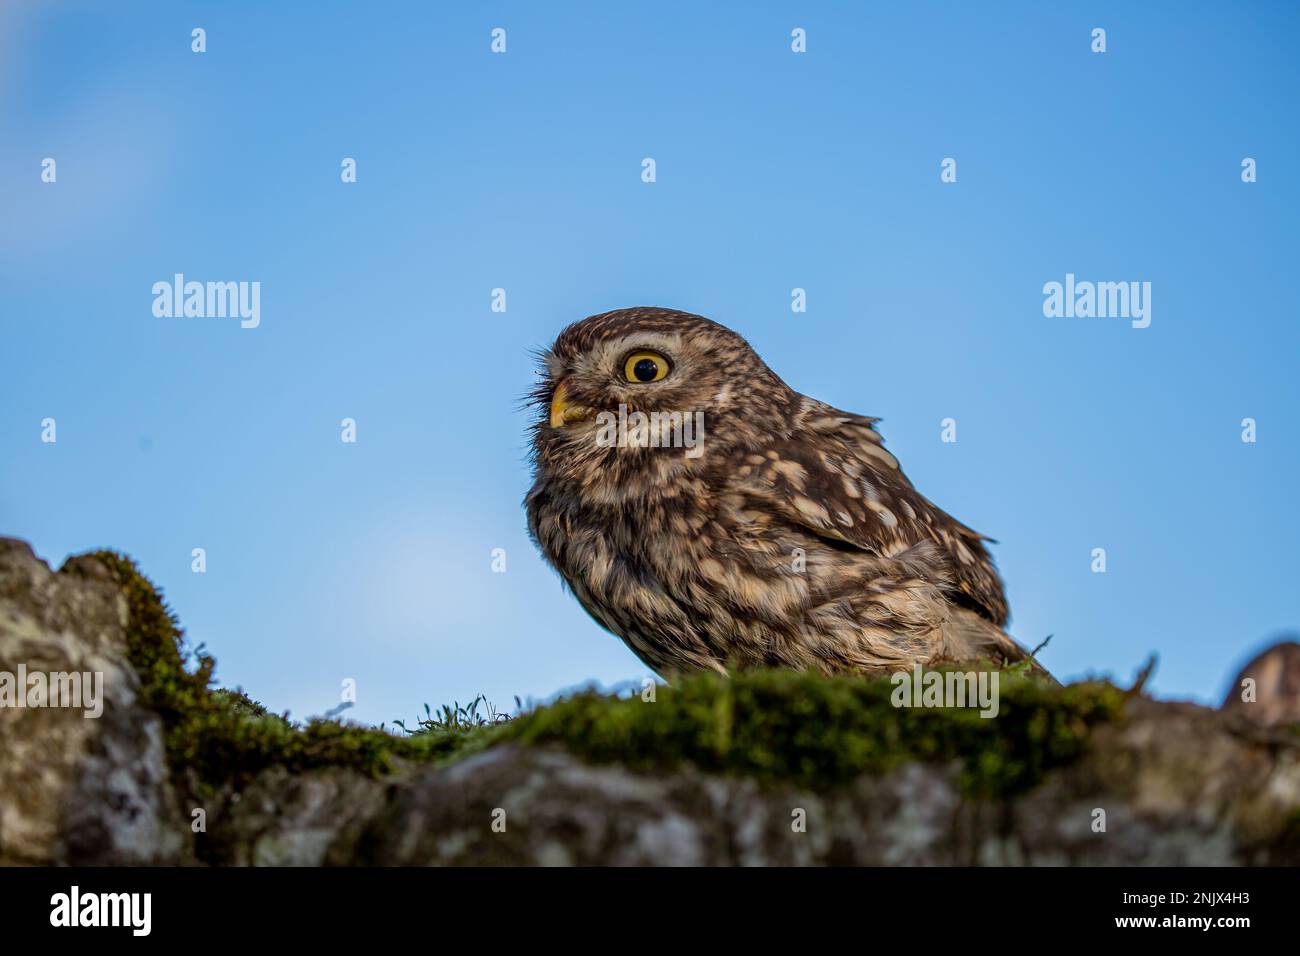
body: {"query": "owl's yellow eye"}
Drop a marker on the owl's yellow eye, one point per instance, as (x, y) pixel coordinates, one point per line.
(645, 367)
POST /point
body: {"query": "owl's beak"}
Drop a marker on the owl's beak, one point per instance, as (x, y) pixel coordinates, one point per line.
(563, 411)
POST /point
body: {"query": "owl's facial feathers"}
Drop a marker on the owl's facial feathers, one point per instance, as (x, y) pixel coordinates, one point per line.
(686, 364)
(641, 366)
(703, 373)
(599, 376)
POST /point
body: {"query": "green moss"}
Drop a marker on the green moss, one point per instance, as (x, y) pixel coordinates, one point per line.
(782, 726)
(216, 737)
(776, 726)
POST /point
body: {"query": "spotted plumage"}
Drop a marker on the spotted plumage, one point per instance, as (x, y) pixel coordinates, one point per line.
(787, 536)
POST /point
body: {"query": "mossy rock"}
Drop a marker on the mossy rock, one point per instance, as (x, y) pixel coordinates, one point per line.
(808, 730)
(775, 726)
(219, 737)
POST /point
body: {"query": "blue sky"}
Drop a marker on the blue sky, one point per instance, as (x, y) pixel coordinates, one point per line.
(522, 171)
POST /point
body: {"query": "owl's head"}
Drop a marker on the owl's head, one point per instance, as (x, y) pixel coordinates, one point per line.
(650, 389)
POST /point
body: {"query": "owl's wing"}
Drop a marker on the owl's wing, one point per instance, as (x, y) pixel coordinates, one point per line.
(833, 476)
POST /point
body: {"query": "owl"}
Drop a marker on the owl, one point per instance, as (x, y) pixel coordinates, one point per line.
(713, 518)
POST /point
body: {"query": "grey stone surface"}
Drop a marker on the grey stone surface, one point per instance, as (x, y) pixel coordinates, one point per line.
(77, 789)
